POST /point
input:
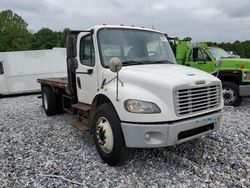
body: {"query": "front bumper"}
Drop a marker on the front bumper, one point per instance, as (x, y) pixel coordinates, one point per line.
(244, 90)
(166, 134)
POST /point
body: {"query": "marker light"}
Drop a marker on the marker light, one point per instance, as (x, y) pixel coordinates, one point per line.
(242, 66)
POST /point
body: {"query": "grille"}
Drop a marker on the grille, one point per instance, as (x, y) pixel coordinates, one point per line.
(193, 100)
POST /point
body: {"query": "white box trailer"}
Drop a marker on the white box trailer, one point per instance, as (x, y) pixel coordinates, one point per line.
(20, 70)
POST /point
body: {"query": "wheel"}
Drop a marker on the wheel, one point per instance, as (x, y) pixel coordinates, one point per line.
(49, 101)
(230, 93)
(108, 136)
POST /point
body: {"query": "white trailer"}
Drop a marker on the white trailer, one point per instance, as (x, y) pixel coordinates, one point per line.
(19, 70)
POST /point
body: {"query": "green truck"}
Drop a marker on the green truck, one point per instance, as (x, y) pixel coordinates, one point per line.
(233, 72)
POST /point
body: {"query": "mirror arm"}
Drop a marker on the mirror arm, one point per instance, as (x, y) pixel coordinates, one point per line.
(218, 71)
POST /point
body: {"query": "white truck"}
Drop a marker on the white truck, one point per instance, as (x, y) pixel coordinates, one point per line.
(20, 70)
(124, 86)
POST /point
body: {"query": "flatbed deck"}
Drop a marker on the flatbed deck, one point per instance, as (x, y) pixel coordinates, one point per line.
(60, 82)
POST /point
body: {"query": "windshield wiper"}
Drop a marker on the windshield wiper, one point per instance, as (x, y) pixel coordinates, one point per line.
(132, 62)
(163, 61)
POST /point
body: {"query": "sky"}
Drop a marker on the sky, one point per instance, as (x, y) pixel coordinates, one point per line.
(202, 20)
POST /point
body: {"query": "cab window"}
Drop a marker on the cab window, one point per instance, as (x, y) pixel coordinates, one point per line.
(199, 54)
(87, 53)
(115, 50)
(1, 68)
(154, 48)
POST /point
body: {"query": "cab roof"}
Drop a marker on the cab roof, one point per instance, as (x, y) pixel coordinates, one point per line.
(97, 27)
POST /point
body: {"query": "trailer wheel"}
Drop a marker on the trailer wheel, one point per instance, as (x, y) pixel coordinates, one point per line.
(230, 93)
(49, 101)
(108, 136)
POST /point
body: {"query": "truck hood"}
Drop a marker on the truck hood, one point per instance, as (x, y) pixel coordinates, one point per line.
(156, 83)
(165, 75)
(235, 63)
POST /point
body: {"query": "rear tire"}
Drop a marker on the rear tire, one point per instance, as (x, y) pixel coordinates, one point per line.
(230, 93)
(49, 101)
(108, 136)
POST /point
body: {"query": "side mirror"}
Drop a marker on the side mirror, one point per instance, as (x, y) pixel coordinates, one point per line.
(195, 54)
(115, 64)
(218, 61)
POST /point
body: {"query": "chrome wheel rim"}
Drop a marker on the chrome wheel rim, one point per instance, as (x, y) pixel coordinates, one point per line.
(45, 101)
(229, 96)
(104, 134)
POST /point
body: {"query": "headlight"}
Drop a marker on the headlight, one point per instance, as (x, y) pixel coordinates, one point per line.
(142, 107)
(246, 75)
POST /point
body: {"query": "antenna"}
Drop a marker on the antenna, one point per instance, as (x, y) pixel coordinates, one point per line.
(151, 13)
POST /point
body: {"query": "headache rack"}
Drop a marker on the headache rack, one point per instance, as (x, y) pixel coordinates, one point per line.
(198, 99)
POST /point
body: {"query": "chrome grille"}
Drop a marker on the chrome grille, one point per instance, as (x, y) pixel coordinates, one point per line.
(193, 100)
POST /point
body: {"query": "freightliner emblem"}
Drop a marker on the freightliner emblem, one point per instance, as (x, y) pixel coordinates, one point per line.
(199, 82)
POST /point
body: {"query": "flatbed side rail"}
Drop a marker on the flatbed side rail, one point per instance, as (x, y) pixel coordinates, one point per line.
(54, 82)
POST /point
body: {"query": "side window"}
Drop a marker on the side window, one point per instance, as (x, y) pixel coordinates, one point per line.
(1, 68)
(199, 54)
(87, 52)
(202, 55)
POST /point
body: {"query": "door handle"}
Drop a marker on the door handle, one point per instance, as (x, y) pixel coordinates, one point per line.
(89, 71)
(79, 83)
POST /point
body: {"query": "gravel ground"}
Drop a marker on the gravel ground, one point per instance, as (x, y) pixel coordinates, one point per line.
(33, 145)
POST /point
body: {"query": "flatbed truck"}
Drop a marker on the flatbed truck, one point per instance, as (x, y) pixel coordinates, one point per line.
(125, 87)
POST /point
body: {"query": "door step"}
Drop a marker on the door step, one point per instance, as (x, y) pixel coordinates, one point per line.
(80, 124)
(81, 106)
(81, 118)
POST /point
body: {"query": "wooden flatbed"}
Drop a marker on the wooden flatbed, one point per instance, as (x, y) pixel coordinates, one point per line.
(60, 82)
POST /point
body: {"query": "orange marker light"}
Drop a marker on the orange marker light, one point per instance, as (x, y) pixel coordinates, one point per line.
(242, 66)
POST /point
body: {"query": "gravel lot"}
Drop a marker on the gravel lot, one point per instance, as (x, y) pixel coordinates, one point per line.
(33, 145)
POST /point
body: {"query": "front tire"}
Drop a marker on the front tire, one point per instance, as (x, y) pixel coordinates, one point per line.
(230, 93)
(49, 101)
(108, 136)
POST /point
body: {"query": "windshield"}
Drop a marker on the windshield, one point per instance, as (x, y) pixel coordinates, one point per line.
(219, 52)
(134, 47)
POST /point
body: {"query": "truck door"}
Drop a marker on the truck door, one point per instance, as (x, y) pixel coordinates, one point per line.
(86, 73)
(3, 81)
(199, 58)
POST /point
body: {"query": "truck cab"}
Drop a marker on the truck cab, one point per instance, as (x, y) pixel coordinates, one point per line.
(233, 72)
(125, 86)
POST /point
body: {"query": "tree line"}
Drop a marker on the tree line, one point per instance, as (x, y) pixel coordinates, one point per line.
(15, 36)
